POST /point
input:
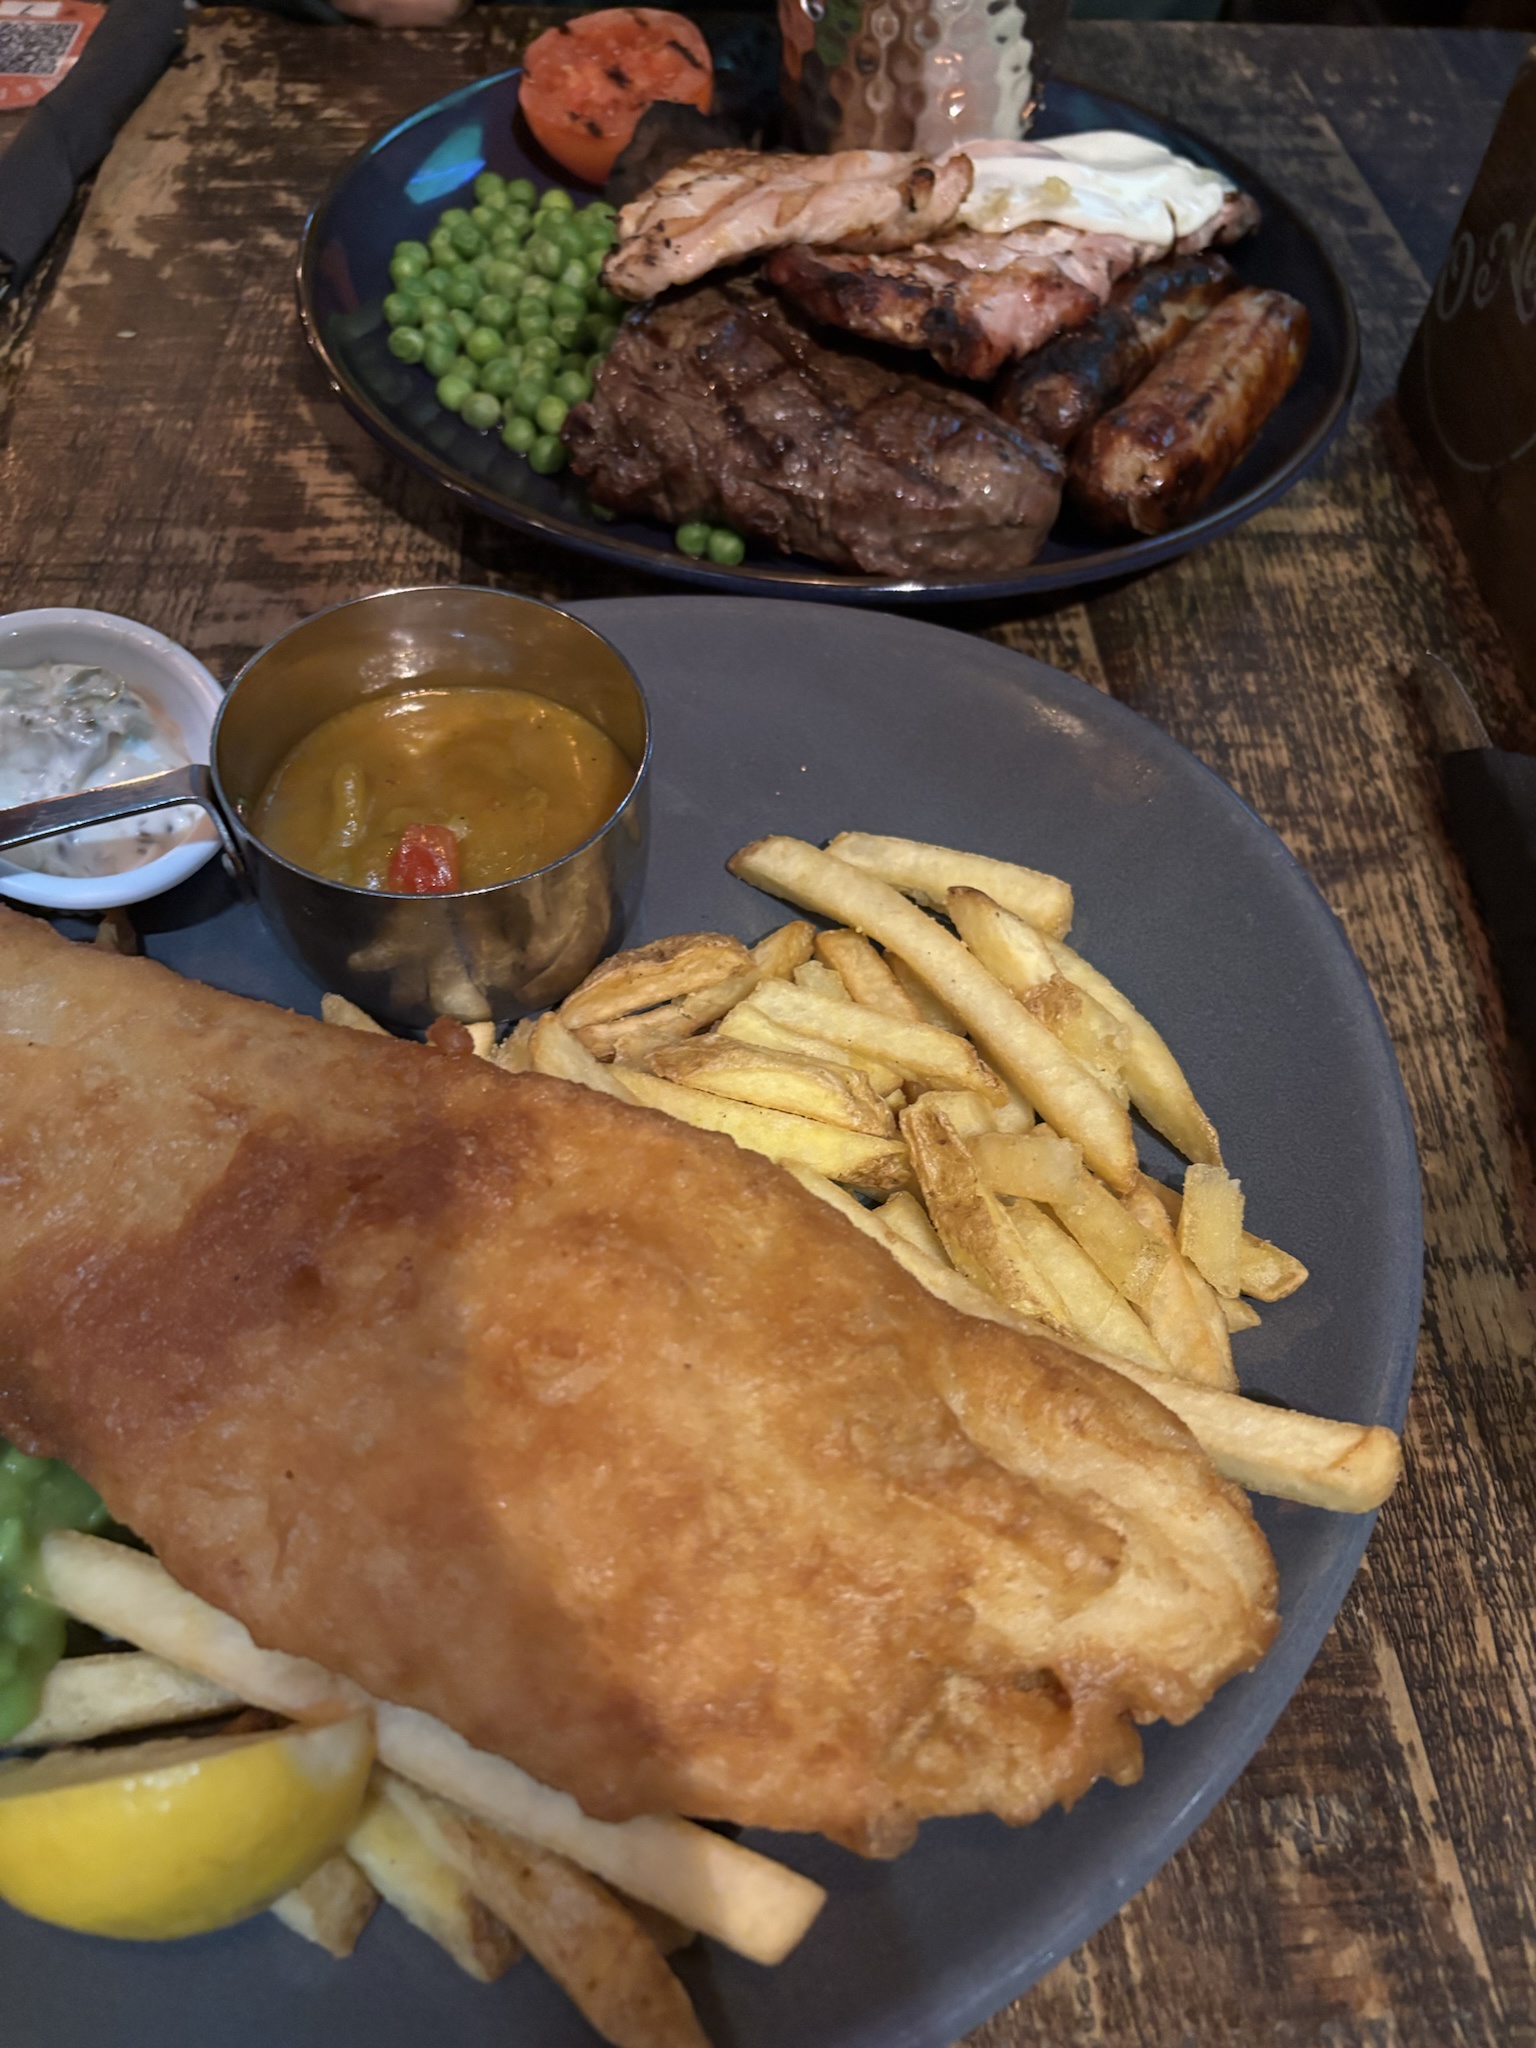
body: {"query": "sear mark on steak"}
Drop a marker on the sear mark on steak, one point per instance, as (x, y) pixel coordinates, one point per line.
(718, 404)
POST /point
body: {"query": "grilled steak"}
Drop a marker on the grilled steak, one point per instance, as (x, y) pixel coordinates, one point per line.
(1148, 464)
(719, 405)
(975, 300)
(729, 203)
(1064, 386)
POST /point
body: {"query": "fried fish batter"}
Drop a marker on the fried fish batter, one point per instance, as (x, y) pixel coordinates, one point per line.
(585, 1431)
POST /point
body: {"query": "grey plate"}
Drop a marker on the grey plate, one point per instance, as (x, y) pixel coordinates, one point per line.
(775, 717)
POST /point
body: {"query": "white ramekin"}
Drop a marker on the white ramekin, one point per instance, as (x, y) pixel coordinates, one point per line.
(163, 674)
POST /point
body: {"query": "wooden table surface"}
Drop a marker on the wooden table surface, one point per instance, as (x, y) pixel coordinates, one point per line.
(168, 450)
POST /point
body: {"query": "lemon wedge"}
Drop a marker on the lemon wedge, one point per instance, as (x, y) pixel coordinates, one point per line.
(178, 1837)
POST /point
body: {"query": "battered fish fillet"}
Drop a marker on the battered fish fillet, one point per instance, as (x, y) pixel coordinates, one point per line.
(585, 1431)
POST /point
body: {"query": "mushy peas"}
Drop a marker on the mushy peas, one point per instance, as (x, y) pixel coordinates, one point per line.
(439, 789)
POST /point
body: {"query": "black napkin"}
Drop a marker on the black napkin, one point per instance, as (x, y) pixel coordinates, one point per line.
(1490, 797)
(70, 131)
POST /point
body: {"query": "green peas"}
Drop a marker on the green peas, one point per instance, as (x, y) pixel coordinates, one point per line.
(486, 218)
(452, 216)
(399, 311)
(462, 323)
(546, 455)
(36, 1496)
(574, 277)
(463, 291)
(437, 279)
(33, 1624)
(593, 266)
(575, 360)
(499, 376)
(521, 192)
(405, 272)
(563, 300)
(452, 391)
(549, 414)
(566, 329)
(573, 387)
(536, 287)
(13, 1542)
(556, 201)
(439, 357)
(408, 344)
(726, 547)
(494, 311)
(429, 308)
(599, 235)
(480, 410)
(442, 332)
(412, 252)
(532, 319)
(545, 257)
(489, 187)
(603, 339)
(503, 277)
(519, 433)
(519, 220)
(505, 244)
(466, 367)
(467, 238)
(530, 392)
(482, 343)
(605, 301)
(693, 538)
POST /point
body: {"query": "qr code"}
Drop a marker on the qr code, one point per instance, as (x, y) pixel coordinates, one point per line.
(35, 49)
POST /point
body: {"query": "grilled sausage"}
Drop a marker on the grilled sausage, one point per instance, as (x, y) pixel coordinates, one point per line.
(1062, 388)
(1150, 462)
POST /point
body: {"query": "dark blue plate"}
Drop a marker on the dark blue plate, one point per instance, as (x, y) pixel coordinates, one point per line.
(808, 719)
(397, 187)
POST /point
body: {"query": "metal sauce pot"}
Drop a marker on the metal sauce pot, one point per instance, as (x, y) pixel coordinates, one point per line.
(472, 954)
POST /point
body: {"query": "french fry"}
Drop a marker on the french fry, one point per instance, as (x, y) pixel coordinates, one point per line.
(634, 1039)
(922, 998)
(940, 1058)
(1154, 1077)
(1021, 960)
(930, 872)
(1182, 1312)
(778, 1080)
(482, 1036)
(1210, 1230)
(1268, 1273)
(555, 1051)
(515, 1052)
(658, 973)
(1095, 1310)
(971, 1222)
(1056, 1084)
(906, 1215)
(1130, 1255)
(879, 1165)
(86, 1698)
(755, 1906)
(751, 1027)
(1348, 1466)
(821, 981)
(331, 1907)
(337, 1010)
(587, 1941)
(1240, 1315)
(969, 1113)
(668, 1934)
(865, 976)
(1036, 1164)
(428, 1890)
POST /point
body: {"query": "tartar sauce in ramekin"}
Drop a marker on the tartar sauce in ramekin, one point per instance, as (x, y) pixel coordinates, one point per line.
(65, 727)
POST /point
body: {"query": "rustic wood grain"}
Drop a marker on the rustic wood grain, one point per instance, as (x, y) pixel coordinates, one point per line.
(167, 449)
